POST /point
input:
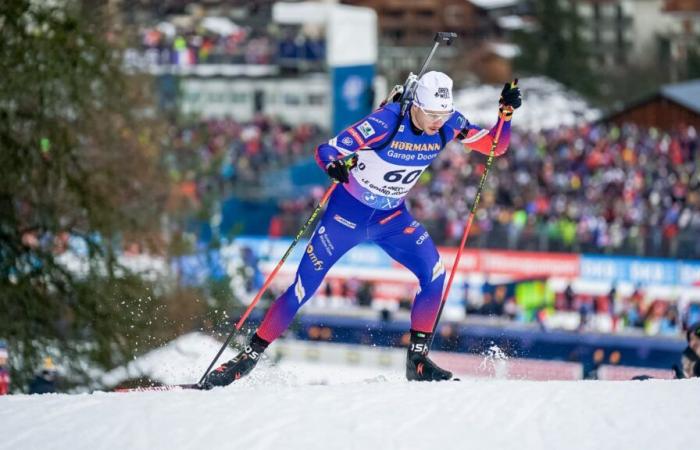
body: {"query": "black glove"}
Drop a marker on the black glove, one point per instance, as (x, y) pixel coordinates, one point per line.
(510, 96)
(339, 169)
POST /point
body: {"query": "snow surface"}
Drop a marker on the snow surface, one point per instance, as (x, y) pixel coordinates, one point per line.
(547, 105)
(184, 360)
(277, 412)
(493, 4)
(295, 405)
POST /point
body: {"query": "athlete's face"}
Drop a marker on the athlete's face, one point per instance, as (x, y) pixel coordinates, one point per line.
(429, 121)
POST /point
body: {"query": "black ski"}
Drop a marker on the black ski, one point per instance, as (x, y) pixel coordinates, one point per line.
(167, 387)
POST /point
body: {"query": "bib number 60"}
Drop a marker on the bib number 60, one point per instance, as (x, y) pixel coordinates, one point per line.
(398, 175)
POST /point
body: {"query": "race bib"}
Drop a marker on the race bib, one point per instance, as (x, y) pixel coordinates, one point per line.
(383, 178)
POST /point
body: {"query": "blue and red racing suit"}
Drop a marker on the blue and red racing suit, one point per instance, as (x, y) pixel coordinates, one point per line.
(392, 154)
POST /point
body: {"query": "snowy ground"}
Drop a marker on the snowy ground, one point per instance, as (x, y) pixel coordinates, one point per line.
(280, 410)
(303, 405)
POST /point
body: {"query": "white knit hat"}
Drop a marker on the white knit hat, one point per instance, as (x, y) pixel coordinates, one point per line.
(434, 92)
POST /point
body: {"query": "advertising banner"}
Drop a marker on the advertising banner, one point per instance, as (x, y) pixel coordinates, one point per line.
(516, 264)
(647, 271)
(353, 95)
(369, 262)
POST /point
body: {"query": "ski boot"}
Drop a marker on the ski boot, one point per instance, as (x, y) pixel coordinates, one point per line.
(239, 366)
(418, 366)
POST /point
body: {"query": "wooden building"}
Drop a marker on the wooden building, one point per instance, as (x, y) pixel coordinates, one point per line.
(672, 105)
(408, 23)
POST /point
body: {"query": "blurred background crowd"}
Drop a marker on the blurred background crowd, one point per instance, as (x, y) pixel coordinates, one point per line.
(218, 40)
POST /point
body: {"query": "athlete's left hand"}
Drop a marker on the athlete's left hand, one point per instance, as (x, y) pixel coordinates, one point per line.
(510, 100)
(511, 97)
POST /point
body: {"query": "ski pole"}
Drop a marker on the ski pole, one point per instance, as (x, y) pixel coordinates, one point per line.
(270, 277)
(445, 37)
(472, 212)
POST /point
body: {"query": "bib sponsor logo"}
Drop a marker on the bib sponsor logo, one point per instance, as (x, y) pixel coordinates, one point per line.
(315, 260)
(410, 146)
(391, 203)
(365, 129)
(411, 156)
(342, 220)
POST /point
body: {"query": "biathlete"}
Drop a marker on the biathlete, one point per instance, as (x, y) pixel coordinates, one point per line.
(391, 152)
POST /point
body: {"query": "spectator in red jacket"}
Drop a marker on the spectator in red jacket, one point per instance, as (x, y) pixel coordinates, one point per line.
(4, 371)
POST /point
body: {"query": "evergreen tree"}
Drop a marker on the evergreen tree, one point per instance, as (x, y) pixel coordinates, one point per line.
(555, 48)
(78, 163)
(693, 66)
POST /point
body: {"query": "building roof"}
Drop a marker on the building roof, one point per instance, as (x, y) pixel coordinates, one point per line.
(682, 6)
(686, 94)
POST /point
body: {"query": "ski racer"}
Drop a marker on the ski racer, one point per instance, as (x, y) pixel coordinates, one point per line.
(391, 151)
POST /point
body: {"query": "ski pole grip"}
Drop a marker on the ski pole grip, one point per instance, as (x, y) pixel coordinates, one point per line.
(347, 160)
(445, 37)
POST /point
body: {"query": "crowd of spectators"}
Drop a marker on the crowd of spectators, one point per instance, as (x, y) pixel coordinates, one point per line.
(596, 188)
(615, 312)
(209, 160)
(202, 41)
(168, 45)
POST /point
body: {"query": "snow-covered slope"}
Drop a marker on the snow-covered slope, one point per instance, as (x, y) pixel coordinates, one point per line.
(277, 411)
(546, 105)
(298, 404)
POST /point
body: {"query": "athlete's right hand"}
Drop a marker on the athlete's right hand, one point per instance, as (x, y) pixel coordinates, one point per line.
(339, 170)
